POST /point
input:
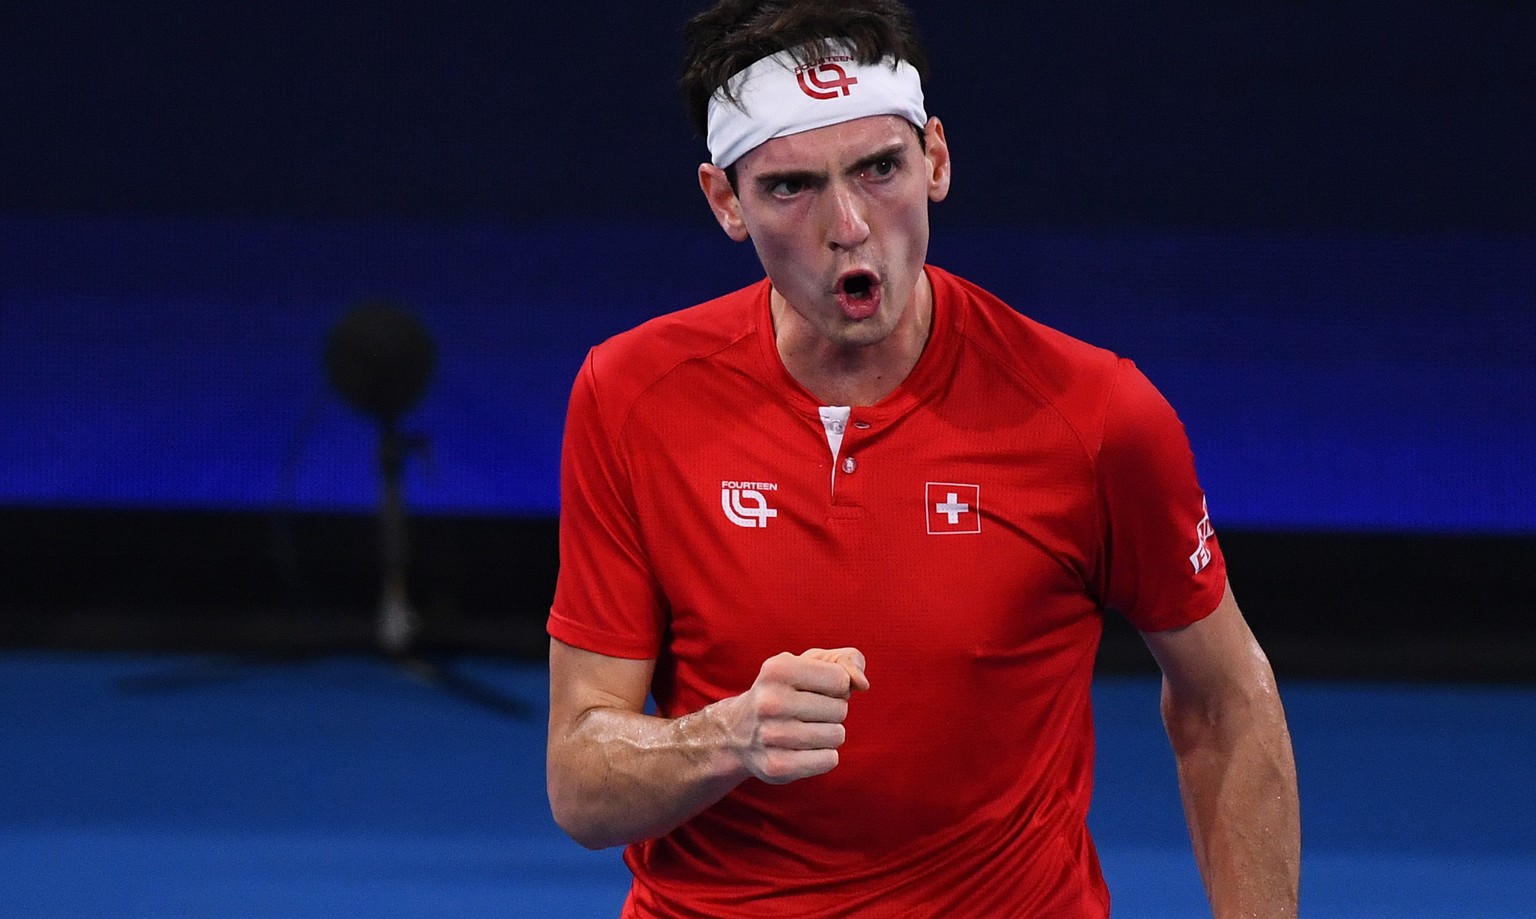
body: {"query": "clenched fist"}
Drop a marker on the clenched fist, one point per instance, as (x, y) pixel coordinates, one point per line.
(789, 725)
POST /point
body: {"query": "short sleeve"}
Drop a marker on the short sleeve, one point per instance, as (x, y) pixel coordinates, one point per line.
(1163, 566)
(606, 598)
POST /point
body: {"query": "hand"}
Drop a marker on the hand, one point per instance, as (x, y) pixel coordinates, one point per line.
(789, 725)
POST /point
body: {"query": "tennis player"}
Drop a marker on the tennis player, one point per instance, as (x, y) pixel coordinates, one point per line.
(855, 528)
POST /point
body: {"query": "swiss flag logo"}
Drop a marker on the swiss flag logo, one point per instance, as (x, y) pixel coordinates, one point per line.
(953, 508)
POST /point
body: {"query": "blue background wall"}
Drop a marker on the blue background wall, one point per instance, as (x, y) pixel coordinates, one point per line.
(1313, 225)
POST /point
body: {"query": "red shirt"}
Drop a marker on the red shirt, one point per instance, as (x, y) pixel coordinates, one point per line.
(967, 538)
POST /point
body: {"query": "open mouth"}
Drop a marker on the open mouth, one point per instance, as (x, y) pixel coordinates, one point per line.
(858, 286)
(858, 295)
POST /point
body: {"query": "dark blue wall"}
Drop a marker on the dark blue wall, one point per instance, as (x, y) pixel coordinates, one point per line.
(1312, 224)
(1363, 115)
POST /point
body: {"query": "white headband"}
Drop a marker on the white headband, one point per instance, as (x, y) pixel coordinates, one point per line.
(778, 95)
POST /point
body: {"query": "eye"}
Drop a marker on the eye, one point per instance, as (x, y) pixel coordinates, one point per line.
(786, 188)
(882, 168)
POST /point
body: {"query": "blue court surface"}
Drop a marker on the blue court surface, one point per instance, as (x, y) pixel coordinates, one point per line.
(340, 787)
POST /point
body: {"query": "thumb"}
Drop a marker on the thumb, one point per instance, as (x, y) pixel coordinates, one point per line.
(850, 659)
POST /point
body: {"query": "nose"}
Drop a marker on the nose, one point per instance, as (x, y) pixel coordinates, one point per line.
(846, 228)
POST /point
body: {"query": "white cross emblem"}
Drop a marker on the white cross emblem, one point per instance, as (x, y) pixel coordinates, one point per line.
(952, 508)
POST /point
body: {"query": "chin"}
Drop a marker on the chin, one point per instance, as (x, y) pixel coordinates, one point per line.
(862, 334)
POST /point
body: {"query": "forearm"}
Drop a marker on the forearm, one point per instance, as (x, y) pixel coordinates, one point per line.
(1237, 775)
(617, 776)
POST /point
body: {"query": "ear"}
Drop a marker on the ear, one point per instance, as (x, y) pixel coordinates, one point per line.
(723, 201)
(937, 158)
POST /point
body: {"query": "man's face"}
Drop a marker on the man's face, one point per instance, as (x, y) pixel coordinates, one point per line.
(839, 216)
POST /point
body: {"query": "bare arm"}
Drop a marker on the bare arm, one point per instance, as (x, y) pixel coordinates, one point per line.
(1237, 773)
(617, 775)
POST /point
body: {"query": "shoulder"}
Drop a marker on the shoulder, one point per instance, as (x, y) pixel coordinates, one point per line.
(626, 365)
(1070, 375)
(1054, 358)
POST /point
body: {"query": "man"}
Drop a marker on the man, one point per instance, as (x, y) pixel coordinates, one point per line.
(854, 529)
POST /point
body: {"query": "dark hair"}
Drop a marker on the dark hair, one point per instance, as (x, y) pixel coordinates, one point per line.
(734, 34)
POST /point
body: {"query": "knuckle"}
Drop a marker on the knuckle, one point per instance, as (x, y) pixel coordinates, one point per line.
(771, 705)
(773, 736)
(777, 768)
(783, 767)
(778, 667)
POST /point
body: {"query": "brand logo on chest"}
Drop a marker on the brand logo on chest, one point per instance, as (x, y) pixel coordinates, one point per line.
(746, 503)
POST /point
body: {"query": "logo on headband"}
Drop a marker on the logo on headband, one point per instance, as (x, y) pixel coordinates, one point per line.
(825, 79)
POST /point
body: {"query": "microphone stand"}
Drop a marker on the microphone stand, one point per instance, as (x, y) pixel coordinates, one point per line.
(397, 625)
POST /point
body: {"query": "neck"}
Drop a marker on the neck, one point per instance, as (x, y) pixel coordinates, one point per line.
(839, 373)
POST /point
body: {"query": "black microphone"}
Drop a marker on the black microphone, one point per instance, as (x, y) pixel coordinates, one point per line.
(380, 358)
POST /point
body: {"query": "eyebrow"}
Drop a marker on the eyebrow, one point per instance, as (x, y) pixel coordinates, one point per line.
(802, 176)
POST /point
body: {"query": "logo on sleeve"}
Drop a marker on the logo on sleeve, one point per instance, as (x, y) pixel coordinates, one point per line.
(1203, 532)
(953, 508)
(745, 503)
